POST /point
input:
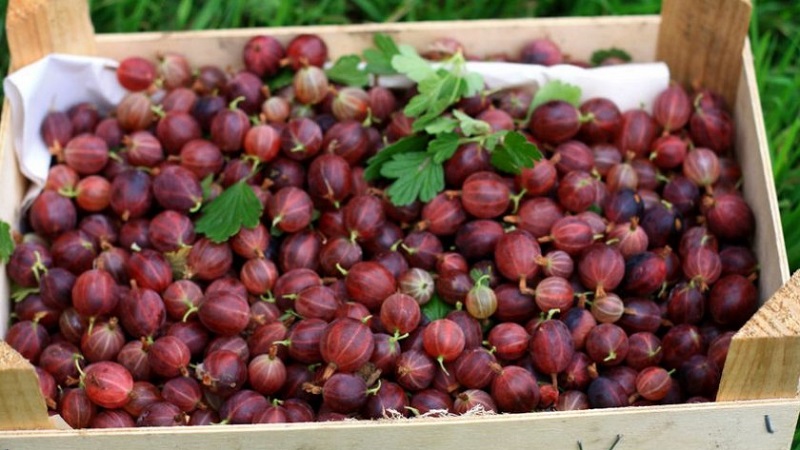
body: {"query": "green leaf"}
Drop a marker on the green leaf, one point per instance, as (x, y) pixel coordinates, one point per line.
(417, 177)
(436, 94)
(476, 275)
(405, 145)
(443, 124)
(436, 308)
(345, 71)
(491, 141)
(601, 55)
(514, 153)
(443, 147)
(205, 185)
(401, 165)
(554, 90)
(235, 208)
(280, 80)
(379, 59)
(470, 126)
(474, 84)
(6, 242)
(409, 63)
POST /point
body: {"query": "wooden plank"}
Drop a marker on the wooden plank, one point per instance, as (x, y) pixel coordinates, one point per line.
(12, 187)
(702, 42)
(730, 426)
(723, 425)
(22, 406)
(764, 358)
(38, 27)
(578, 36)
(752, 152)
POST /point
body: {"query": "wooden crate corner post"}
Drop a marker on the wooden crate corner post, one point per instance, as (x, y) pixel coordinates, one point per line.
(764, 356)
(702, 42)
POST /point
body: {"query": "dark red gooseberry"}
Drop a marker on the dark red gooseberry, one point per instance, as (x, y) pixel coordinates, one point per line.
(161, 414)
(135, 112)
(306, 49)
(645, 273)
(95, 293)
(262, 55)
(224, 313)
(131, 194)
(290, 209)
(577, 191)
(679, 344)
(484, 195)
(229, 128)
(573, 155)
(541, 51)
(711, 128)
(52, 214)
(515, 389)
(607, 344)
(177, 128)
(732, 300)
(539, 179)
(637, 132)
(515, 254)
(601, 268)
(369, 283)
(76, 408)
(346, 344)
(672, 108)
(174, 70)
(554, 122)
(415, 370)
(222, 372)
(729, 216)
(56, 130)
(602, 120)
(176, 188)
(108, 384)
(182, 99)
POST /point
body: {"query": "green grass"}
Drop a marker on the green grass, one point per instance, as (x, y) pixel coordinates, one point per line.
(775, 35)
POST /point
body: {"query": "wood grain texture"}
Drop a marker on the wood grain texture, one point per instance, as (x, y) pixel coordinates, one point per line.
(22, 406)
(751, 149)
(577, 36)
(729, 426)
(702, 42)
(38, 27)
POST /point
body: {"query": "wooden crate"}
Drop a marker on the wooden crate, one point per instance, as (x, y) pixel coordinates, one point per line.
(758, 404)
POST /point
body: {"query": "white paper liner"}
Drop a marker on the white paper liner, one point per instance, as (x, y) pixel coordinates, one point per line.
(58, 82)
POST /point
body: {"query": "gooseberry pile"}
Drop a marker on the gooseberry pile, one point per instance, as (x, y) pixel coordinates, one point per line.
(611, 272)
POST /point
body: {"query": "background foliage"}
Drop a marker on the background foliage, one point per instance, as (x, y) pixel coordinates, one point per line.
(774, 34)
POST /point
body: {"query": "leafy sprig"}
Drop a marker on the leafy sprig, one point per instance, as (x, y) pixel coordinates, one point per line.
(599, 56)
(415, 164)
(346, 71)
(236, 207)
(6, 242)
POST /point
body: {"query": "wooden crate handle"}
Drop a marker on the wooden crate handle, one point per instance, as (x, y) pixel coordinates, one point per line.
(38, 27)
(764, 356)
(702, 42)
